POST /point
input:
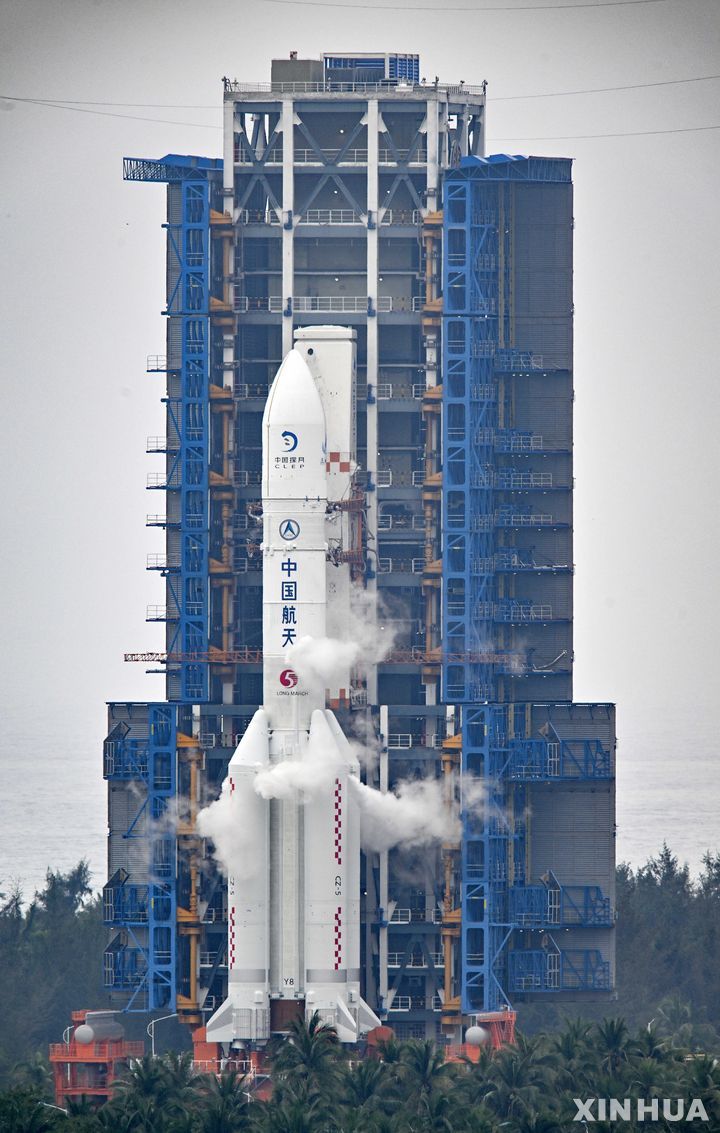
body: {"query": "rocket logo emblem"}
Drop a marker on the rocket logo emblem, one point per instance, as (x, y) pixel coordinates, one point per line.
(290, 440)
(288, 678)
(289, 529)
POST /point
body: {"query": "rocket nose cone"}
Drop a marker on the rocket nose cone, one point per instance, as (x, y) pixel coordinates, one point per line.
(294, 435)
(253, 747)
(293, 395)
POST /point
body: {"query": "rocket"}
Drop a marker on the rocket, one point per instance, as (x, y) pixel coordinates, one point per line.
(294, 914)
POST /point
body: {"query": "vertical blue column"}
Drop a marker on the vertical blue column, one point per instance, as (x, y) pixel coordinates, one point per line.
(485, 922)
(470, 286)
(190, 243)
(162, 868)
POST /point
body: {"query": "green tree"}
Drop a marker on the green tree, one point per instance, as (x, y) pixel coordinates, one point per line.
(21, 1111)
(224, 1102)
(52, 953)
(309, 1054)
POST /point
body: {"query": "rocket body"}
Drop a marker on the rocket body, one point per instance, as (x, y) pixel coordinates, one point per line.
(294, 916)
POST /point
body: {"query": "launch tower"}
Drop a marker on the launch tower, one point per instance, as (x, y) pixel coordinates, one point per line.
(354, 193)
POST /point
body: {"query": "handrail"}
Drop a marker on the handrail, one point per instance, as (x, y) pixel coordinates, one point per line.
(332, 86)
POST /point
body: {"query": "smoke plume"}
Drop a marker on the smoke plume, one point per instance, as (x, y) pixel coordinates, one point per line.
(231, 827)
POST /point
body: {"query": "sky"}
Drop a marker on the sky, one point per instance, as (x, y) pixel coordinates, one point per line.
(82, 293)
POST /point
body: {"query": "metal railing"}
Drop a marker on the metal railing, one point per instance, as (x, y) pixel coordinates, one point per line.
(156, 363)
(386, 391)
(160, 444)
(162, 561)
(401, 916)
(160, 613)
(518, 442)
(341, 304)
(413, 522)
(395, 960)
(511, 480)
(400, 1003)
(162, 480)
(401, 216)
(242, 478)
(523, 519)
(520, 611)
(332, 216)
(386, 565)
(307, 304)
(331, 157)
(333, 86)
(242, 391)
(397, 740)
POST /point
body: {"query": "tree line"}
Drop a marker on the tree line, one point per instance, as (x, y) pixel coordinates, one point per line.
(530, 1087)
(659, 1039)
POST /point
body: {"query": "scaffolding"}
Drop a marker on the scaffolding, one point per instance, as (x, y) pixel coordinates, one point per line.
(506, 384)
(355, 195)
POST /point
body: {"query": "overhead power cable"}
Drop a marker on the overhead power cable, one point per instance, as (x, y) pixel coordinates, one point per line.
(71, 103)
(452, 8)
(624, 134)
(107, 113)
(603, 90)
(205, 126)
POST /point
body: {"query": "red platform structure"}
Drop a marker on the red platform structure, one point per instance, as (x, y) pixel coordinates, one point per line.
(499, 1028)
(208, 1059)
(89, 1062)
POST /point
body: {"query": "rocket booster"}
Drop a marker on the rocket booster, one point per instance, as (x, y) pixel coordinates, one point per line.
(294, 914)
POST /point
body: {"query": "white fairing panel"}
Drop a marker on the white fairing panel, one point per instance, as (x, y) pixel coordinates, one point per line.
(294, 487)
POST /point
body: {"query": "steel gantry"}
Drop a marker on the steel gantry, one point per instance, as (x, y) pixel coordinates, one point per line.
(354, 194)
(536, 911)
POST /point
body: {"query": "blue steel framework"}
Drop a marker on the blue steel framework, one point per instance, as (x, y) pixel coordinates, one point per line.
(508, 913)
(497, 901)
(187, 445)
(501, 910)
(140, 961)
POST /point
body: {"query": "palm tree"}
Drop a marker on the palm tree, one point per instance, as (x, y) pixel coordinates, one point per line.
(224, 1102)
(520, 1077)
(534, 1122)
(423, 1067)
(182, 1079)
(294, 1115)
(702, 1081)
(647, 1044)
(145, 1097)
(612, 1041)
(35, 1073)
(21, 1111)
(310, 1052)
(369, 1088)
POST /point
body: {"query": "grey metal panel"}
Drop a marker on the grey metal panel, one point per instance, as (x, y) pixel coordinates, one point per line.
(175, 347)
(125, 801)
(572, 833)
(174, 204)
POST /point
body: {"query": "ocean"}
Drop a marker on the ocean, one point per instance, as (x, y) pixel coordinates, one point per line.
(53, 797)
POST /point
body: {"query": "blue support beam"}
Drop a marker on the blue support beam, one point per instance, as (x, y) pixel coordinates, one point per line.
(188, 402)
(141, 959)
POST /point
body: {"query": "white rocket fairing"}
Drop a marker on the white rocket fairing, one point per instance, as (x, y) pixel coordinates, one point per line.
(294, 915)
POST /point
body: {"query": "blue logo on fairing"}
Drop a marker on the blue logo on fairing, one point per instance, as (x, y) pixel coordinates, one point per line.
(290, 439)
(289, 529)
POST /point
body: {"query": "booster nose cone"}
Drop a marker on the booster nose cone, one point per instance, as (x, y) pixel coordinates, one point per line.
(294, 444)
